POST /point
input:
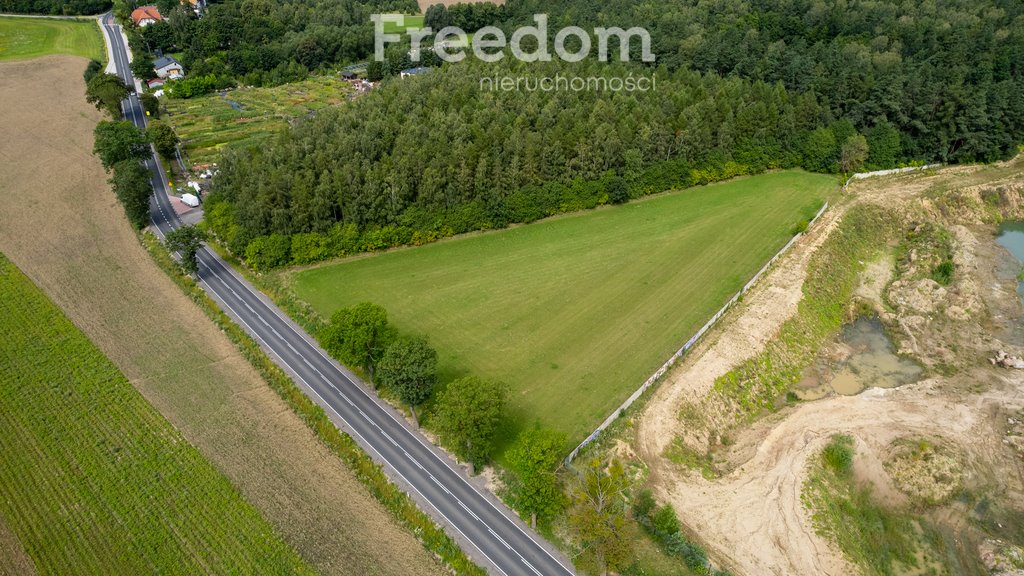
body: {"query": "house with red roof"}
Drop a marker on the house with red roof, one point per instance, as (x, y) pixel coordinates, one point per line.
(145, 15)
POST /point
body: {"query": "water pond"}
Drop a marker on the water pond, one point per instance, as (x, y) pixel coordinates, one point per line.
(869, 361)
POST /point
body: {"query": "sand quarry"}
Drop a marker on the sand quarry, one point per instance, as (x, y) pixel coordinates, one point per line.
(750, 516)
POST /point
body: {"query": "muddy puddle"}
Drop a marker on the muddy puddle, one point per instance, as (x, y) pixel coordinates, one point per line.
(863, 358)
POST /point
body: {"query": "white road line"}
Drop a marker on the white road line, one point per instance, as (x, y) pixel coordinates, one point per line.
(119, 54)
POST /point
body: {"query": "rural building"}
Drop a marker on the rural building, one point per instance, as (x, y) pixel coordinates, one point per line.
(167, 67)
(348, 75)
(155, 83)
(413, 71)
(145, 15)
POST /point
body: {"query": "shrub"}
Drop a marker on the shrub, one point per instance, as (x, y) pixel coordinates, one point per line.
(267, 252)
(838, 455)
(943, 273)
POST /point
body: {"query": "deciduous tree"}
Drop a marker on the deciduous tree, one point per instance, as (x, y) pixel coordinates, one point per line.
(853, 153)
(163, 137)
(187, 240)
(119, 141)
(359, 335)
(598, 517)
(131, 184)
(105, 92)
(468, 414)
(533, 460)
(409, 368)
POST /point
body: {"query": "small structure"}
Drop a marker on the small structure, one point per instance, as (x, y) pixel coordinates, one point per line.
(348, 75)
(145, 15)
(155, 83)
(190, 200)
(167, 67)
(413, 71)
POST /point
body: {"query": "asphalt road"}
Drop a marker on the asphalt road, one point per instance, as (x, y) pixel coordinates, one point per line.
(483, 527)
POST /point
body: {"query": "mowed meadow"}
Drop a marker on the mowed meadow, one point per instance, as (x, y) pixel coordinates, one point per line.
(93, 480)
(575, 312)
(22, 38)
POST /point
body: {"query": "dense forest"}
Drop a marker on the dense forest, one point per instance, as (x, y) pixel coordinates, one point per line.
(741, 87)
(55, 7)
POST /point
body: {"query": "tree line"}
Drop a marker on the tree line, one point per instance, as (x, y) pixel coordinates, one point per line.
(431, 156)
(597, 498)
(55, 7)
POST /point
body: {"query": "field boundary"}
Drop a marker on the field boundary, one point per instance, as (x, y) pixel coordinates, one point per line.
(689, 343)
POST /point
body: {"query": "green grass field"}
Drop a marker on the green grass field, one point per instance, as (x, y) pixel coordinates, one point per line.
(22, 38)
(411, 21)
(576, 312)
(209, 124)
(92, 479)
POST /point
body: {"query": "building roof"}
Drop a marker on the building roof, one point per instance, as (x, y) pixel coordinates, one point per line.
(146, 13)
(155, 82)
(416, 70)
(165, 61)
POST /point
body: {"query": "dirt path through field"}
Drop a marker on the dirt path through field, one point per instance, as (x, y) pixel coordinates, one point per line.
(13, 559)
(60, 223)
(752, 519)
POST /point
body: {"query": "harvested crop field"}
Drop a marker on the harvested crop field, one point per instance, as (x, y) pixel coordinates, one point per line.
(93, 479)
(62, 226)
(574, 313)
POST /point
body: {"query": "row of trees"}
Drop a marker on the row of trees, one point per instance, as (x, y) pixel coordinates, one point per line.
(466, 414)
(55, 7)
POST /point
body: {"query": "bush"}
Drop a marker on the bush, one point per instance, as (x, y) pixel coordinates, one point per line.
(838, 455)
(92, 69)
(268, 252)
(943, 273)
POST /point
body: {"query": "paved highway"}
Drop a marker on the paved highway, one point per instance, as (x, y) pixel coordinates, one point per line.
(483, 527)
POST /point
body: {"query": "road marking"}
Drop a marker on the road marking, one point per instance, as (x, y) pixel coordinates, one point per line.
(169, 221)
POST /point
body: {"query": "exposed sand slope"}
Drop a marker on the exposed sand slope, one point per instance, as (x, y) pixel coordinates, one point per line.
(752, 519)
(60, 223)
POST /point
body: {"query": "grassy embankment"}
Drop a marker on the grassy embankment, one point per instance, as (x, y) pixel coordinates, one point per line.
(209, 124)
(575, 312)
(883, 542)
(23, 38)
(93, 479)
(832, 276)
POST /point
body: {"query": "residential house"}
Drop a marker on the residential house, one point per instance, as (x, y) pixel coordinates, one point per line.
(169, 68)
(145, 15)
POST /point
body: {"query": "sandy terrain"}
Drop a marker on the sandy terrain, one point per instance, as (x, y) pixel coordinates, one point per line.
(752, 519)
(60, 223)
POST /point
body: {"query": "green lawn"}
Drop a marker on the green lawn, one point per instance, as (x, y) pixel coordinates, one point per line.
(576, 312)
(92, 479)
(22, 38)
(411, 21)
(208, 124)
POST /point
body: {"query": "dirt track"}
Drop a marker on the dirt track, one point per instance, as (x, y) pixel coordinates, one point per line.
(60, 223)
(752, 518)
